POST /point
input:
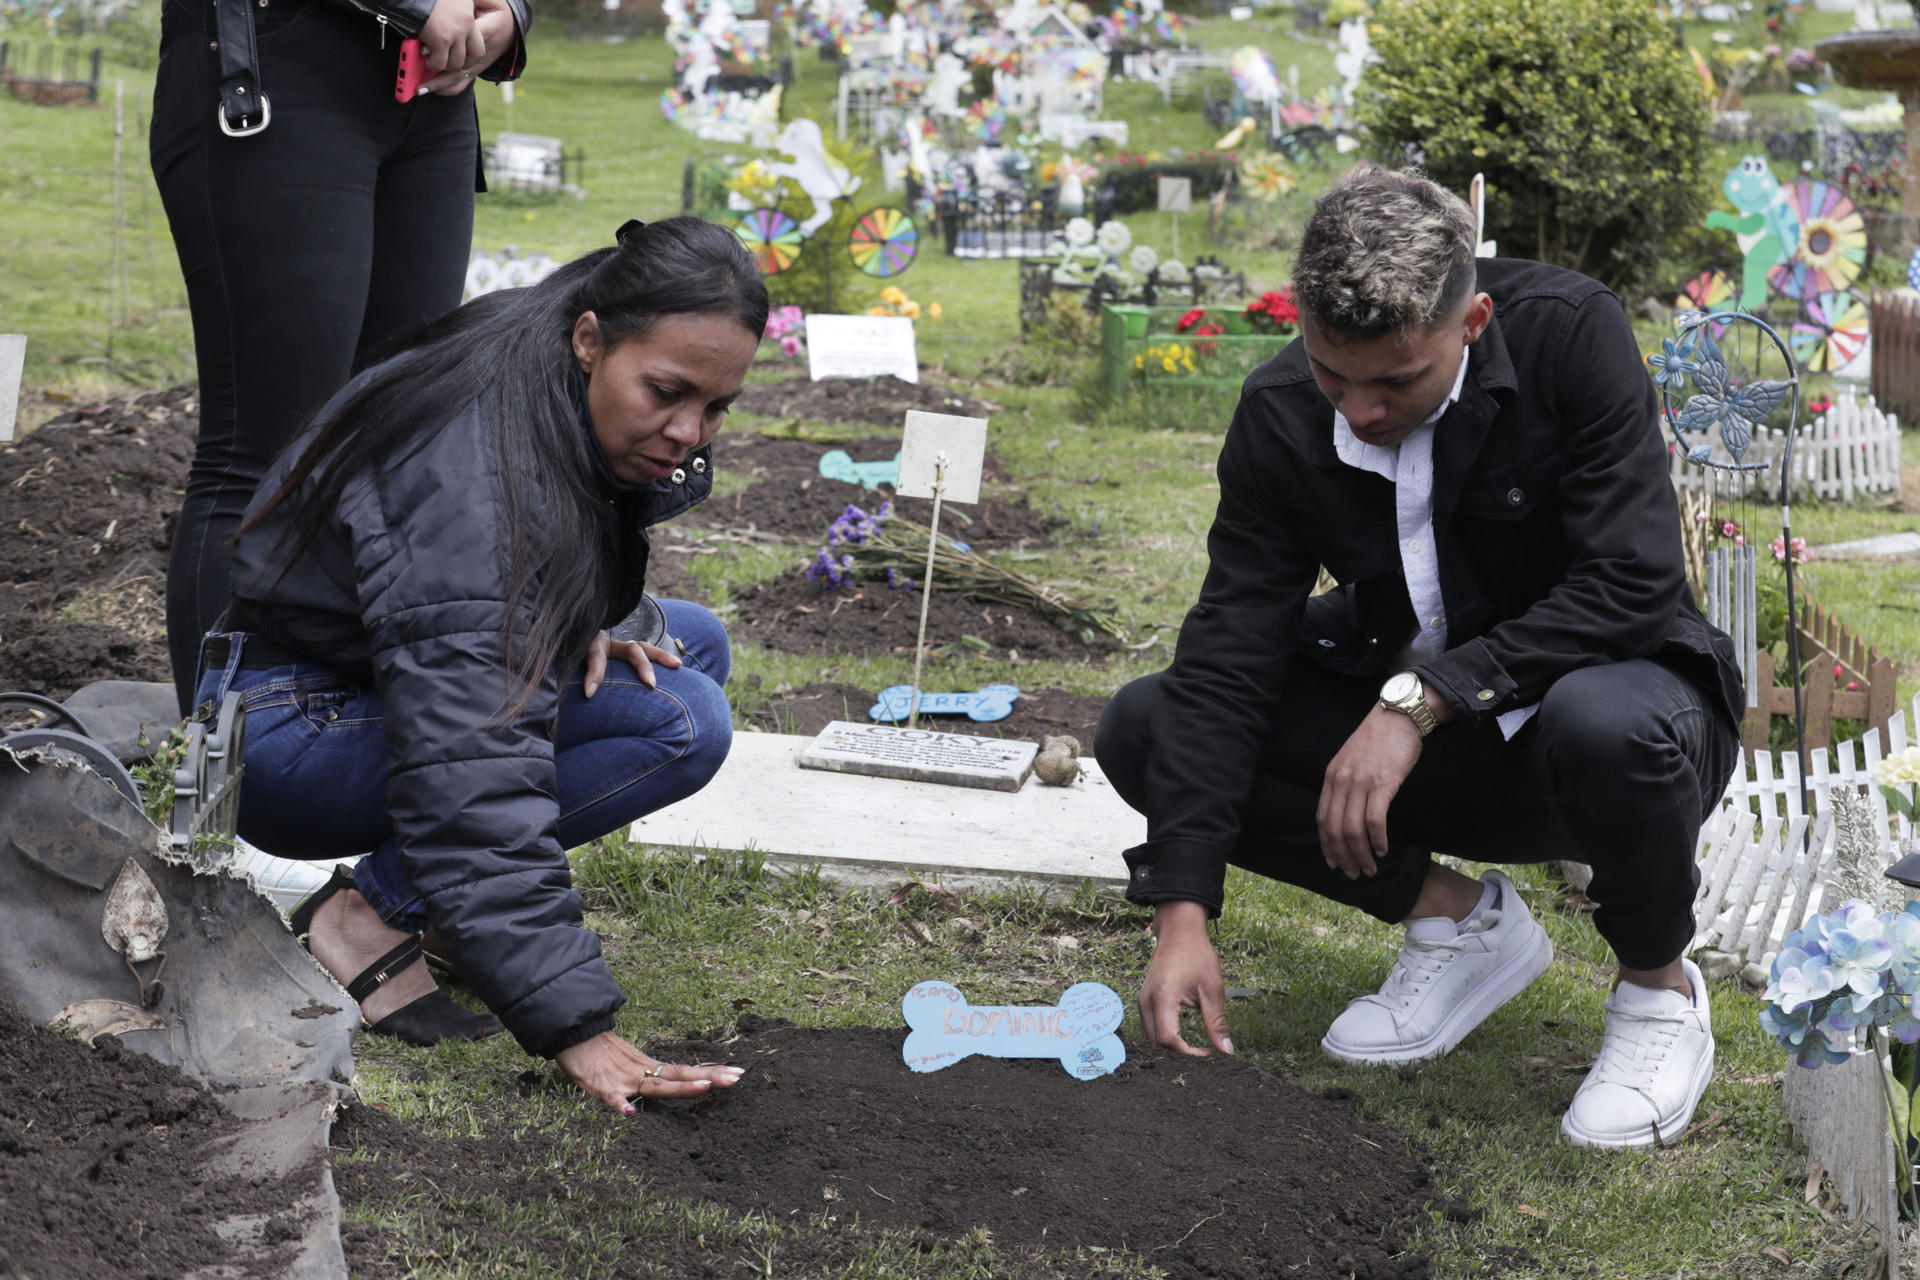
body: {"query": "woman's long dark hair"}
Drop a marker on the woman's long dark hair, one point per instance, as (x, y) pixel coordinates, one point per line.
(513, 350)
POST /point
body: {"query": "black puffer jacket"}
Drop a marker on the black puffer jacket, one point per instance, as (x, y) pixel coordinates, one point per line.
(405, 586)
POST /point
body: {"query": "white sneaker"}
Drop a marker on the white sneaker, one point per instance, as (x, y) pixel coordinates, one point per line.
(1654, 1064)
(1444, 984)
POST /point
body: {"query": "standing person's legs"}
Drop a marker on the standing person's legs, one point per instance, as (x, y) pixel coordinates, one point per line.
(422, 221)
(274, 234)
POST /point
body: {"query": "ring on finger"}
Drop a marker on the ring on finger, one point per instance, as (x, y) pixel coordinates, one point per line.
(653, 1073)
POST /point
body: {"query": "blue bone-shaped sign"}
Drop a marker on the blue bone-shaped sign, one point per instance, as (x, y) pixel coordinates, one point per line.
(838, 464)
(990, 702)
(944, 1028)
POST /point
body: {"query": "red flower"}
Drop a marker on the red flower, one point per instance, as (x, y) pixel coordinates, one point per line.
(1196, 316)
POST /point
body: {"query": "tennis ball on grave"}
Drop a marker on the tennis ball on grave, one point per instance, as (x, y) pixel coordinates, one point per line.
(1058, 764)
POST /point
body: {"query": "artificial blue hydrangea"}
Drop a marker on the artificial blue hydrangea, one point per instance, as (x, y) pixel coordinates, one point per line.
(1840, 975)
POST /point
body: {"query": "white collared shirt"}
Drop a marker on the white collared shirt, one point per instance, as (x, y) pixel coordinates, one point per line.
(1408, 466)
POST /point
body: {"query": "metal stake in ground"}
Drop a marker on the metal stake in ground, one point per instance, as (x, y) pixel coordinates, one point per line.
(941, 457)
(926, 587)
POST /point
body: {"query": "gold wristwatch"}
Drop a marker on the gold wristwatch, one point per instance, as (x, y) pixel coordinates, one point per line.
(1404, 693)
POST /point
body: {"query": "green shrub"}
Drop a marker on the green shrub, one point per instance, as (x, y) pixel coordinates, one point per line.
(1585, 115)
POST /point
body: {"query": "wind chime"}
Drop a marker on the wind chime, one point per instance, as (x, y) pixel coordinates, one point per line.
(1717, 394)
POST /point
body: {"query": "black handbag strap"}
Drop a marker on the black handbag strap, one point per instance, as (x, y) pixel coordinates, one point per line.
(243, 110)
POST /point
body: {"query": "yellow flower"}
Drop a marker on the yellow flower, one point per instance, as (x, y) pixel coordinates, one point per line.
(933, 311)
(892, 295)
(1140, 362)
(1166, 362)
(910, 309)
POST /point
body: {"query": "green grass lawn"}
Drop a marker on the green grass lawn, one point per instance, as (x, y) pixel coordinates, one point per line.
(1137, 485)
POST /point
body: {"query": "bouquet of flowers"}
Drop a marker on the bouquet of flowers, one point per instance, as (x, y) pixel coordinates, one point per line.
(887, 547)
(895, 302)
(1274, 312)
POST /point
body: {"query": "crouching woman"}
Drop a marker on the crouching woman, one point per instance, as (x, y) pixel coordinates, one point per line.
(423, 591)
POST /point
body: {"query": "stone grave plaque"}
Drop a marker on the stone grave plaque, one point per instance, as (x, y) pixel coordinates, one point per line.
(921, 755)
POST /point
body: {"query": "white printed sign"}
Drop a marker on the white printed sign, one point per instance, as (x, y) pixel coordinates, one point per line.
(861, 347)
(1176, 195)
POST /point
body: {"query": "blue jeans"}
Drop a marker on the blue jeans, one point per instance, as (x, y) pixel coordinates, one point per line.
(316, 754)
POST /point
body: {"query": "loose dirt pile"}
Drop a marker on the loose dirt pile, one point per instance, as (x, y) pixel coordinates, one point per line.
(1210, 1167)
(791, 500)
(880, 402)
(101, 1170)
(87, 507)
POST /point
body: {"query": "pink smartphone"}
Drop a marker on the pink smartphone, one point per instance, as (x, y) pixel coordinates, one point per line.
(413, 71)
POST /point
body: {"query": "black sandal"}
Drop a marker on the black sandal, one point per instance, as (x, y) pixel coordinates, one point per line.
(427, 1021)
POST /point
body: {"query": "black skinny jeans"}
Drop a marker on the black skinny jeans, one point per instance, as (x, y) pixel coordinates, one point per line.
(1618, 769)
(347, 221)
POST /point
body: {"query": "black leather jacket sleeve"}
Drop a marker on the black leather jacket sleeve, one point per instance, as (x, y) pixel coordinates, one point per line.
(1214, 711)
(408, 16)
(510, 64)
(471, 788)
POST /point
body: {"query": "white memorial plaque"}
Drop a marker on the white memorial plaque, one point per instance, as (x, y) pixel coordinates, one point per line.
(861, 347)
(1176, 195)
(13, 362)
(921, 755)
(928, 435)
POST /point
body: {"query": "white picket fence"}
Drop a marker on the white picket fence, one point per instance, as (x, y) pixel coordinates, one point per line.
(1766, 854)
(1769, 858)
(1851, 450)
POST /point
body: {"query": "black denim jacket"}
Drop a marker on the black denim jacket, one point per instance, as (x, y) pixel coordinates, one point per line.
(1558, 540)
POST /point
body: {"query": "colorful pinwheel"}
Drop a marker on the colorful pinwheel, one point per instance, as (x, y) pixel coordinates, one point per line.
(1709, 291)
(772, 237)
(1830, 332)
(1833, 242)
(883, 242)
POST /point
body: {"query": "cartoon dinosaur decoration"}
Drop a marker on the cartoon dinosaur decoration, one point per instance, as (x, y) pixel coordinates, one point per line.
(1768, 226)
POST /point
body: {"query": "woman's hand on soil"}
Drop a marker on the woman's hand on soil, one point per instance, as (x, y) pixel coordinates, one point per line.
(640, 657)
(1184, 974)
(610, 1069)
(493, 27)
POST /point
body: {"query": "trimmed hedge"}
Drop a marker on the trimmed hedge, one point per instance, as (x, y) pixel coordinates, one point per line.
(1586, 116)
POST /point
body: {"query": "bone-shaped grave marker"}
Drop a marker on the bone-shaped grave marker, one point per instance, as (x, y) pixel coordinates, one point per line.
(838, 464)
(989, 702)
(944, 1028)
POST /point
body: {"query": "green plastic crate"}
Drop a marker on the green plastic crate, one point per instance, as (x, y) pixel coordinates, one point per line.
(1223, 360)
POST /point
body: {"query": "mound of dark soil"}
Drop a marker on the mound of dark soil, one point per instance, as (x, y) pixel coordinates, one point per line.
(1036, 713)
(790, 499)
(100, 1165)
(1208, 1167)
(880, 402)
(792, 614)
(87, 505)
